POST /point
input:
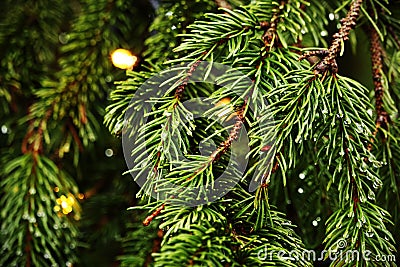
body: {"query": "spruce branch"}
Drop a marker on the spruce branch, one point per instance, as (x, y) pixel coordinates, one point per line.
(151, 217)
(376, 49)
(233, 135)
(269, 37)
(328, 57)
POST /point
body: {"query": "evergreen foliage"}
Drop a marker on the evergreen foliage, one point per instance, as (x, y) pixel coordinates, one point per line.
(327, 128)
(323, 155)
(54, 79)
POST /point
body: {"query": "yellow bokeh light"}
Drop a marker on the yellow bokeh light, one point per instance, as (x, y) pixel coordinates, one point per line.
(66, 204)
(123, 59)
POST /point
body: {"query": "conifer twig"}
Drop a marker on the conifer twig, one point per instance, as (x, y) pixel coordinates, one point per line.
(269, 37)
(233, 135)
(151, 217)
(328, 57)
(179, 90)
(377, 68)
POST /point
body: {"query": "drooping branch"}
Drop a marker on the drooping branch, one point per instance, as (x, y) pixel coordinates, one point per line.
(328, 57)
(377, 69)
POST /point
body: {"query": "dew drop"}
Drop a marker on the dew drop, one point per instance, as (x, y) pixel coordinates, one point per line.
(189, 116)
(302, 176)
(109, 152)
(32, 191)
(4, 129)
(109, 78)
(371, 195)
(377, 184)
(63, 38)
(164, 135)
(300, 190)
(363, 167)
(324, 33)
(351, 214)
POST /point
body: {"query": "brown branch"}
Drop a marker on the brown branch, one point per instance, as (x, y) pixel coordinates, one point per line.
(151, 217)
(35, 145)
(156, 247)
(233, 135)
(377, 70)
(328, 61)
(225, 145)
(270, 37)
(180, 89)
(74, 134)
